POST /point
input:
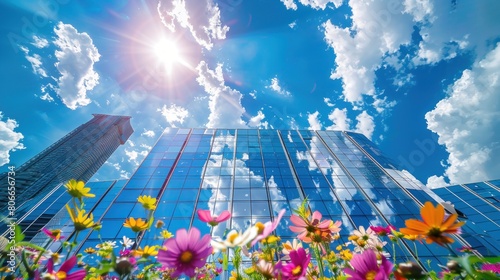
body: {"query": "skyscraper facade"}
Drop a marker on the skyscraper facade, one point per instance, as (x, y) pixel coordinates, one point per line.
(78, 155)
(256, 173)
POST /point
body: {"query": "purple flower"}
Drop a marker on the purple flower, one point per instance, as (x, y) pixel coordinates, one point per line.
(63, 272)
(383, 231)
(365, 266)
(297, 268)
(185, 252)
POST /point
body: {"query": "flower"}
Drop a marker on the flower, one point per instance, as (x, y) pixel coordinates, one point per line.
(80, 220)
(185, 252)
(90, 250)
(382, 231)
(297, 267)
(365, 266)
(77, 189)
(64, 270)
(265, 268)
(493, 267)
(127, 242)
(267, 228)
(148, 202)
(234, 238)
(214, 220)
(136, 225)
(166, 234)
(290, 246)
(434, 225)
(146, 252)
(307, 228)
(54, 234)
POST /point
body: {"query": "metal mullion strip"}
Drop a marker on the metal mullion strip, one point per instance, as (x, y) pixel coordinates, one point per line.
(324, 176)
(292, 167)
(368, 199)
(231, 200)
(202, 179)
(165, 183)
(269, 204)
(478, 196)
(491, 185)
(471, 206)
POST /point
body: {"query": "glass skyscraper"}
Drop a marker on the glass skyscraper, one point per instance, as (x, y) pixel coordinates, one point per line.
(78, 155)
(256, 173)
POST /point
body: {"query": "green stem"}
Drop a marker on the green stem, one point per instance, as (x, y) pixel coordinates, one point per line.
(319, 261)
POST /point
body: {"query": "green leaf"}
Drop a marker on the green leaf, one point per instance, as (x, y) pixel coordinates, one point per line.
(19, 236)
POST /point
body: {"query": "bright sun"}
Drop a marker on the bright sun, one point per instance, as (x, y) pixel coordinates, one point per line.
(167, 53)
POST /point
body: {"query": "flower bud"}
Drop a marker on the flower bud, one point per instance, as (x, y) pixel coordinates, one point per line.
(123, 266)
(411, 270)
(453, 266)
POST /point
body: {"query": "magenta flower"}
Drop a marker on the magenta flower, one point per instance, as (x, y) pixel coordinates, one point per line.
(268, 228)
(64, 270)
(54, 234)
(185, 252)
(206, 217)
(365, 266)
(383, 231)
(297, 268)
(493, 267)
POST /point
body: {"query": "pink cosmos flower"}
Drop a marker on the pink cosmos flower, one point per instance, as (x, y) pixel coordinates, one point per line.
(206, 217)
(383, 231)
(54, 234)
(365, 266)
(186, 252)
(269, 227)
(64, 270)
(306, 228)
(297, 268)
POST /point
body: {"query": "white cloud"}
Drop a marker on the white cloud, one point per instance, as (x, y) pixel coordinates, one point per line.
(436, 182)
(339, 119)
(467, 122)
(47, 97)
(328, 102)
(76, 56)
(135, 156)
(293, 24)
(202, 18)
(277, 88)
(315, 4)
(365, 124)
(378, 28)
(451, 28)
(36, 62)
(148, 133)
(314, 123)
(40, 42)
(289, 4)
(9, 139)
(224, 102)
(256, 121)
(174, 114)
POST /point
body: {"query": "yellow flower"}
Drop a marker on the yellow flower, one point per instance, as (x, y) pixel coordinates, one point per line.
(89, 250)
(166, 234)
(80, 220)
(136, 225)
(77, 189)
(271, 239)
(346, 255)
(146, 252)
(148, 202)
(434, 225)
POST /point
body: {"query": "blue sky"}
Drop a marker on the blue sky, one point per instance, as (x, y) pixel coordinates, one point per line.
(421, 78)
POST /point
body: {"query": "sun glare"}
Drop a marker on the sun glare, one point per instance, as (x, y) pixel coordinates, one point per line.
(167, 53)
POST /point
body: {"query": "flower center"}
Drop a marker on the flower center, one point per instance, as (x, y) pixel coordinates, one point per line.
(61, 275)
(370, 275)
(260, 227)
(434, 232)
(232, 237)
(186, 257)
(297, 270)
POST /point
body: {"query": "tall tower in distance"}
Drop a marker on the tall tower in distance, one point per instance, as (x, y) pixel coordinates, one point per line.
(78, 155)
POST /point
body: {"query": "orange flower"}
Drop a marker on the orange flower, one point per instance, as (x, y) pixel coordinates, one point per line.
(434, 225)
